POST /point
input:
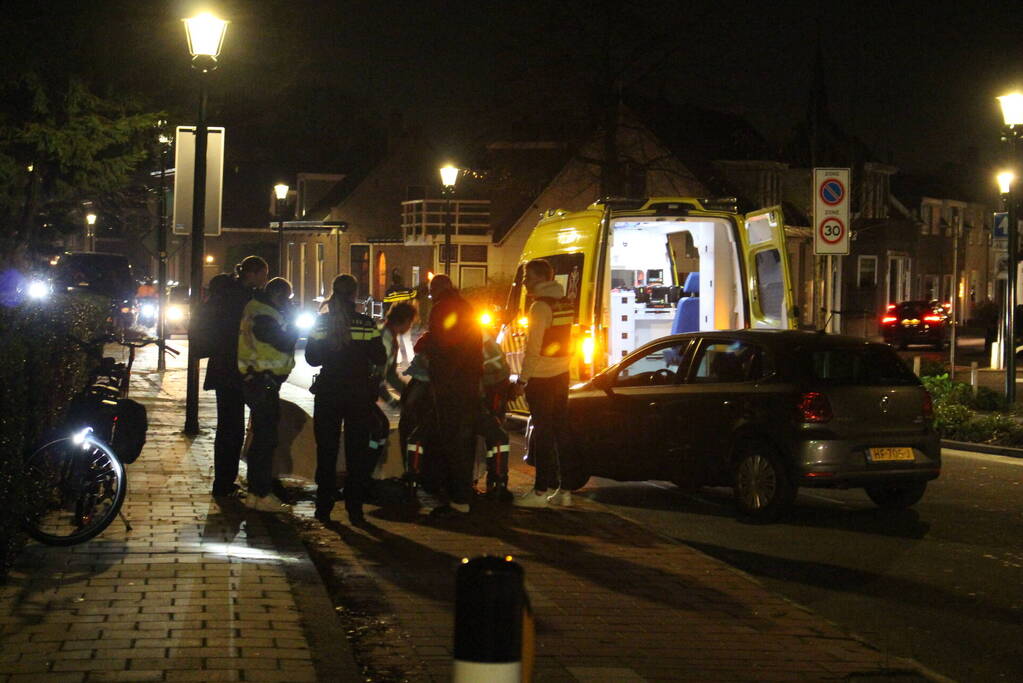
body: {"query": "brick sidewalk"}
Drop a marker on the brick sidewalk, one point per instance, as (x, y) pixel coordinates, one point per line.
(194, 592)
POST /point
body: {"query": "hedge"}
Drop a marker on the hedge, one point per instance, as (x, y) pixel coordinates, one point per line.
(40, 370)
(956, 413)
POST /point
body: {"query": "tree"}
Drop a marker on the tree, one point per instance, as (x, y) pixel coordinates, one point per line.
(61, 145)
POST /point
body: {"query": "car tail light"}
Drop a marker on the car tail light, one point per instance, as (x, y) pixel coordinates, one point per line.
(928, 407)
(890, 306)
(888, 320)
(815, 407)
(932, 318)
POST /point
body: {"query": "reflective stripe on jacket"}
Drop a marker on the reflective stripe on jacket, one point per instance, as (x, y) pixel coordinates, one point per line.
(255, 356)
(557, 338)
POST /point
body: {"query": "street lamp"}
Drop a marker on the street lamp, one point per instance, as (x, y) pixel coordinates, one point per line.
(448, 178)
(281, 193)
(205, 38)
(1012, 114)
(90, 232)
(161, 249)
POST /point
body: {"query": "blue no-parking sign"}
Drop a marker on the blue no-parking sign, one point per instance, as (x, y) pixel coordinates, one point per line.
(831, 210)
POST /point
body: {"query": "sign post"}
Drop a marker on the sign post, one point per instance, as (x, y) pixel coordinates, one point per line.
(831, 232)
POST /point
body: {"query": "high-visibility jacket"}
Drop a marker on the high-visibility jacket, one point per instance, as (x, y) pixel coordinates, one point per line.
(255, 356)
(557, 338)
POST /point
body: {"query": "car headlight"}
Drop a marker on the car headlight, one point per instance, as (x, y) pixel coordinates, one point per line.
(148, 310)
(38, 289)
(305, 321)
(175, 313)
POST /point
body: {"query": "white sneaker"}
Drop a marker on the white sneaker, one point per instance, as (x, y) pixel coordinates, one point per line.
(267, 503)
(561, 498)
(532, 499)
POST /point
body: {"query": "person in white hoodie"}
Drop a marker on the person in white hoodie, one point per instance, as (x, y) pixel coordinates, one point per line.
(544, 377)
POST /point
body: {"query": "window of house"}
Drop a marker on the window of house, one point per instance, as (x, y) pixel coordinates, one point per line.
(474, 253)
(866, 271)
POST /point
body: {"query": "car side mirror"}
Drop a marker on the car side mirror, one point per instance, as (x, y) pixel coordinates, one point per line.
(603, 382)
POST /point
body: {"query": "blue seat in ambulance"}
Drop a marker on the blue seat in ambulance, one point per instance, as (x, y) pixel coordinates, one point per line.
(687, 316)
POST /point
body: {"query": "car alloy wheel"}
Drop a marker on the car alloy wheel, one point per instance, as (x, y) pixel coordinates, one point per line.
(762, 486)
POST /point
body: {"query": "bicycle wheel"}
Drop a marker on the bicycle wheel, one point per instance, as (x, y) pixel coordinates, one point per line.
(78, 486)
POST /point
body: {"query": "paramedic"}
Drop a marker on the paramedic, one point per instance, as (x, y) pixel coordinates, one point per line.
(545, 380)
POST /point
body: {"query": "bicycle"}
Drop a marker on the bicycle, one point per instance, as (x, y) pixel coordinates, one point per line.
(80, 480)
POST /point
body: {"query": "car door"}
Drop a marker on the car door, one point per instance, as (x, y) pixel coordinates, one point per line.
(768, 281)
(628, 433)
(721, 390)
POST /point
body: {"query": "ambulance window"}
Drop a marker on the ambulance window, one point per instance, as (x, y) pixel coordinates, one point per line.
(770, 286)
(568, 272)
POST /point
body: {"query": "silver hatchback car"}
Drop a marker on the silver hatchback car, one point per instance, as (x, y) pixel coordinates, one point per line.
(762, 411)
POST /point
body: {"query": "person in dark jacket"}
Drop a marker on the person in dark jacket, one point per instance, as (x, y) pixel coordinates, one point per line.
(454, 347)
(218, 323)
(348, 346)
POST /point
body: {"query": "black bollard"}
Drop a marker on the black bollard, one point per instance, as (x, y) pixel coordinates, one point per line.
(491, 610)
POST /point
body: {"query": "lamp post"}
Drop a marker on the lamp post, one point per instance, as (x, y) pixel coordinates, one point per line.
(205, 38)
(1012, 114)
(161, 250)
(448, 178)
(90, 232)
(281, 193)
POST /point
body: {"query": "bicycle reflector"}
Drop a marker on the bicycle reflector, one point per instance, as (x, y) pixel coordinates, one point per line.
(83, 437)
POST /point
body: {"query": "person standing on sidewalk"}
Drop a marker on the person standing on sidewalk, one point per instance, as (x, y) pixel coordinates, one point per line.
(454, 347)
(218, 322)
(347, 344)
(266, 356)
(545, 379)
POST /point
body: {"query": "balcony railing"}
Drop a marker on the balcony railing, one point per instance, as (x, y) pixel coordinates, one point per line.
(423, 220)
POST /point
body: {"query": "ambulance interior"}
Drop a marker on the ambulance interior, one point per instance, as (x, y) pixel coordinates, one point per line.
(669, 277)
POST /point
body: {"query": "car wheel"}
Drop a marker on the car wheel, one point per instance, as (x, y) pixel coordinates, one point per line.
(763, 488)
(897, 496)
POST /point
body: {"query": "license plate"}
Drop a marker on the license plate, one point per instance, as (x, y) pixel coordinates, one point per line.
(890, 454)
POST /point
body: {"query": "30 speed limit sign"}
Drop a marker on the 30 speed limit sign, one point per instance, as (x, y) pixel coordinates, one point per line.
(831, 210)
(832, 230)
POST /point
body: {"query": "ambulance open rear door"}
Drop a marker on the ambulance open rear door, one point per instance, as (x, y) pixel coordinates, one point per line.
(768, 280)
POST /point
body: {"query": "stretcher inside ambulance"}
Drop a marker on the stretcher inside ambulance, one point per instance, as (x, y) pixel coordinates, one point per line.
(666, 266)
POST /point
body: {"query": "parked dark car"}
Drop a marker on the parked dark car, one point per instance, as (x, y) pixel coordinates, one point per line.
(764, 412)
(915, 322)
(108, 275)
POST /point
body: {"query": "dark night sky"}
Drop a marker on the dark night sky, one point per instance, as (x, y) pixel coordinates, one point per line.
(303, 80)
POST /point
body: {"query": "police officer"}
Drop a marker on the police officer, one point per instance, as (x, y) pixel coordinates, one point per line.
(266, 356)
(545, 379)
(347, 344)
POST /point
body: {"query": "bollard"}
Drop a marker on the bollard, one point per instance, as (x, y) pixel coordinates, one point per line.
(973, 376)
(916, 365)
(493, 624)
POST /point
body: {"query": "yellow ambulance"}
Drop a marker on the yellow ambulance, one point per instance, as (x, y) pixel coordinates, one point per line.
(638, 270)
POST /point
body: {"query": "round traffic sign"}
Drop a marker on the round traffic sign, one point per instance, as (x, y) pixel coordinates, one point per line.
(832, 191)
(832, 230)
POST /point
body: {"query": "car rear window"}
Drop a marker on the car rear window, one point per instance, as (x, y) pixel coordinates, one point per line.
(855, 366)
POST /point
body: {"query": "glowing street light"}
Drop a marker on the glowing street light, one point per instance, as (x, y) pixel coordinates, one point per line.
(205, 39)
(90, 231)
(1012, 115)
(448, 178)
(281, 193)
(1005, 179)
